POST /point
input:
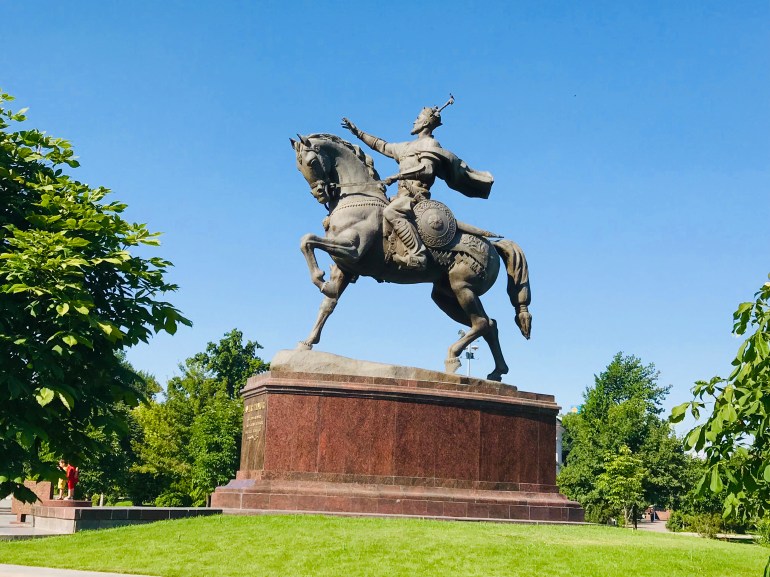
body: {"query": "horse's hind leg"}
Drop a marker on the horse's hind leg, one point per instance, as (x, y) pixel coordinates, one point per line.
(443, 296)
(501, 368)
(336, 285)
(447, 300)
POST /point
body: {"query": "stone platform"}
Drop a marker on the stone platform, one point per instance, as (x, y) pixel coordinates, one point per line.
(324, 433)
(58, 519)
(66, 503)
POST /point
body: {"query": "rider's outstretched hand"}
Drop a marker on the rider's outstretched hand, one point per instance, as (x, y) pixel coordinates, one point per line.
(350, 126)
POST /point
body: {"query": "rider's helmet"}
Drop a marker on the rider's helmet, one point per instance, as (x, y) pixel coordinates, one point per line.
(428, 118)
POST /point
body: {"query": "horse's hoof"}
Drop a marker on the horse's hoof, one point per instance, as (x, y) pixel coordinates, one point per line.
(304, 346)
(497, 374)
(524, 322)
(452, 364)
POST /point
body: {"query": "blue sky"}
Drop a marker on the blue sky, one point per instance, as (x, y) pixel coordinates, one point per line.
(630, 144)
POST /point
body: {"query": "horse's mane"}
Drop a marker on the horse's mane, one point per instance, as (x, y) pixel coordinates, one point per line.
(367, 160)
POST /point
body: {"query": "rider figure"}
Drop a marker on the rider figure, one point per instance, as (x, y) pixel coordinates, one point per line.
(420, 161)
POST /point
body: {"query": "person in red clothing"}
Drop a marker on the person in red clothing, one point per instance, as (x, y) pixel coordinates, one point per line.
(72, 474)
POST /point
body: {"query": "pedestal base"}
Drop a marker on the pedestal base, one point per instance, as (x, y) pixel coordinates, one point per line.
(243, 496)
(384, 440)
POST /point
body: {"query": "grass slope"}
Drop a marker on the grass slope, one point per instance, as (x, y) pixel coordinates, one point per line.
(333, 546)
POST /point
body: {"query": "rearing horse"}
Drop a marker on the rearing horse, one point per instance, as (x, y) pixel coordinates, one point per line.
(343, 178)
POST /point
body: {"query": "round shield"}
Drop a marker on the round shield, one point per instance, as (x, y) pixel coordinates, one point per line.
(435, 222)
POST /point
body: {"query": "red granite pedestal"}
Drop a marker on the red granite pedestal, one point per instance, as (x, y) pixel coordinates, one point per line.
(352, 444)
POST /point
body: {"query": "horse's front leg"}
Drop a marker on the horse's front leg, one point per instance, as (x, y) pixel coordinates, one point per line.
(334, 288)
(344, 247)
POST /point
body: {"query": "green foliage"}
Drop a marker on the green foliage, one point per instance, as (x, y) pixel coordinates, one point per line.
(172, 498)
(190, 441)
(704, 524)
(215, 440)
(232, 361)
(621, 482)
(762, 528)
(108, 472)
(620, 413)
(707, 525)
(678, 521)
(72, 297)
(624, 379)
(735, 436)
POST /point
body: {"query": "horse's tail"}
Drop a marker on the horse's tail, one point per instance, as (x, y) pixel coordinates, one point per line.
(518, 282)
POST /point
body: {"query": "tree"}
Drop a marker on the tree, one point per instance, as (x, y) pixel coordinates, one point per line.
(215, 441)
(109, 472)
(621, 483)
(231, 361)
(735, 436)
(191, 440)
(72, 297)
(619, 413)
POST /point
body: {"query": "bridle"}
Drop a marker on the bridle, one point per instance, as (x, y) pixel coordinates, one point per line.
(333, 190)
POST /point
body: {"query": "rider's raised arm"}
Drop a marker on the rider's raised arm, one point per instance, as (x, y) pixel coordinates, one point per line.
(377, 144)
(371, 141)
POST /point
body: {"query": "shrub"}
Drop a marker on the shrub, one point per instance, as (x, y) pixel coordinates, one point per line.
(601, 513)
(762, 528)
(677, 521)
(173, 499)
(707, 525)
(704, 524)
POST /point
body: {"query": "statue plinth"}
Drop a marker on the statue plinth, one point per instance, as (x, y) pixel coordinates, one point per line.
(326, 434)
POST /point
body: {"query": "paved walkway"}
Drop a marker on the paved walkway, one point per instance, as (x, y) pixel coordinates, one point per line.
(654, 526)
(10, 529)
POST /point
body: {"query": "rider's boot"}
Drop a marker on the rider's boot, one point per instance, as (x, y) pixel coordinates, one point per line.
(416, 257)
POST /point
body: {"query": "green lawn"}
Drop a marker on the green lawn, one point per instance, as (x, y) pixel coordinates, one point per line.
(334, 546)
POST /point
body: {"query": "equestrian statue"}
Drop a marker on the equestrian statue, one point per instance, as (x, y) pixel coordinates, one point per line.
(410, 238)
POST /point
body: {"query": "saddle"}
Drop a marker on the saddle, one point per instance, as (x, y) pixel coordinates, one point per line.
(446, 239)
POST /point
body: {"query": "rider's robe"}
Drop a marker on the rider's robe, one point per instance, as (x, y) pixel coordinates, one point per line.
(447, 166)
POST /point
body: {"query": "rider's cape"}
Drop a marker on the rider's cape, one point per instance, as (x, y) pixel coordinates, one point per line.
(459, 176)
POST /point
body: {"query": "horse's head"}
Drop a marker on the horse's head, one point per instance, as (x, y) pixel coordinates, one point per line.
(314, 167)
(336, 169)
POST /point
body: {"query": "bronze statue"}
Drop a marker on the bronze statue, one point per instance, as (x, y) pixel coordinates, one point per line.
(367, 235)
(420, 161)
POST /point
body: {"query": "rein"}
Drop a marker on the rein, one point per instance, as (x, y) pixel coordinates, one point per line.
(354, 200)
(346, 184)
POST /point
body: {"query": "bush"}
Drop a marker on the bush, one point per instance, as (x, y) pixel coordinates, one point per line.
(173, 499)
(677, 521)
(704, 524)
(708, 525)
(762, 528)
(601, 513)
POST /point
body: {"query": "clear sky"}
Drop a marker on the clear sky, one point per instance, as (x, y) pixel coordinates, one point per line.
(630, 144)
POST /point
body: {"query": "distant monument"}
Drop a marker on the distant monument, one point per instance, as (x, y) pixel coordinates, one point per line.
(323, 433)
